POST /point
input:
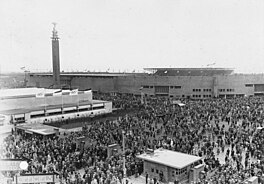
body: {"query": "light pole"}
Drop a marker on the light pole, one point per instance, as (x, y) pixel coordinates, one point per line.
(124, 156)
(124, 133)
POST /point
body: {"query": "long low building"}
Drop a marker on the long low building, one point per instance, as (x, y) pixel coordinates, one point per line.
(39, 105)
(196, 83)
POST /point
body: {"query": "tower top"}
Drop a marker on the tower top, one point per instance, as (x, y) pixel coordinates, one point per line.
(54, 32)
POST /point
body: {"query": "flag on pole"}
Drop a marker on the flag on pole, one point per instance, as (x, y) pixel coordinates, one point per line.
(40, 95)
(57, 93)
(74, 92)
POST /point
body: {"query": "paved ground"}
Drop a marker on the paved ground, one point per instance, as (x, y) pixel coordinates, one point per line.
(221, 156)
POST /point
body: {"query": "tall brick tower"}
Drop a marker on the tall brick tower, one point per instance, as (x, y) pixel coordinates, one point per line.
(55, 58)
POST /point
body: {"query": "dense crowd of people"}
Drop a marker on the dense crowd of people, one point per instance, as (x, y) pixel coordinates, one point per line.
(205, 128)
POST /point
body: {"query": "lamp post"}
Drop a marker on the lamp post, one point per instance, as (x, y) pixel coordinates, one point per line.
(124, 156)
(124, 133)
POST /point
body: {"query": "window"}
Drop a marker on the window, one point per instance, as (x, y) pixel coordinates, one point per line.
(157, 171)
(152, 170)
(151, 86)
(248, 85)
(193, 90)
(171, 87)
(177, 87)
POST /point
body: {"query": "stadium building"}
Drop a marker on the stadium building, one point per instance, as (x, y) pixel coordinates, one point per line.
(197, 83)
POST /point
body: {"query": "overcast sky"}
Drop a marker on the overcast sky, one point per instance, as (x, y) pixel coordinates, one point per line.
(119, 35)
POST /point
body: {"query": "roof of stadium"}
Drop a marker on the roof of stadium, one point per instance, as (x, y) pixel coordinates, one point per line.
(190, 71)
(154, 71)
(89, 74)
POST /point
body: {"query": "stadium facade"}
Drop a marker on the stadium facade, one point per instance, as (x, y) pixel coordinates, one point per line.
(197, 83)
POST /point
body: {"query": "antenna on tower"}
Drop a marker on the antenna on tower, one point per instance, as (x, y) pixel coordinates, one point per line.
(54, 32)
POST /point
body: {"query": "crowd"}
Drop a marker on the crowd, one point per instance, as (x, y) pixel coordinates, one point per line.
(206, 128)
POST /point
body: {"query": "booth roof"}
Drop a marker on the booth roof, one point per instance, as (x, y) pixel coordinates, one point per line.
(170, 158)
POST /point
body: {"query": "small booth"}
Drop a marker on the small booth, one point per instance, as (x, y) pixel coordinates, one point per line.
(169, 166)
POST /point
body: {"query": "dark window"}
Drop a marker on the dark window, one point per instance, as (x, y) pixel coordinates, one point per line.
(177, 87)
(249, 85)
(152, 170)
(157, 171)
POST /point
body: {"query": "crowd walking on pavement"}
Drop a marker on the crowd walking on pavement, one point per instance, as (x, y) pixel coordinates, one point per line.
(227, 133)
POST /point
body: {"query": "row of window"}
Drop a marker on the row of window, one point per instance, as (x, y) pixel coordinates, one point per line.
(147, 86)
(199, 90)
(175, 87)
(153, 170)
(248, 85)
(228, 90)
(171, 87)
(199, 96)
(179, 171)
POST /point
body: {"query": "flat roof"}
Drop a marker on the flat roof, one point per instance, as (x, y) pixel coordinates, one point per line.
(37, 128)
(48, 107)
(15, 92)
(207, 68)
(170, 158)
(89, 74)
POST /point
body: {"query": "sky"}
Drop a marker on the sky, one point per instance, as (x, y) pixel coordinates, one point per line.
(129, 35)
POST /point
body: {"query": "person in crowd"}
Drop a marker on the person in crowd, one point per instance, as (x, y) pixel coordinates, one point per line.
(206, 128)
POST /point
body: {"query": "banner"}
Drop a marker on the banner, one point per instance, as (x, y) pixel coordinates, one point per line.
(40, 95)
(74, 92)
(31, 178)
(87, 91)
(57, 93)
(10, 165)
